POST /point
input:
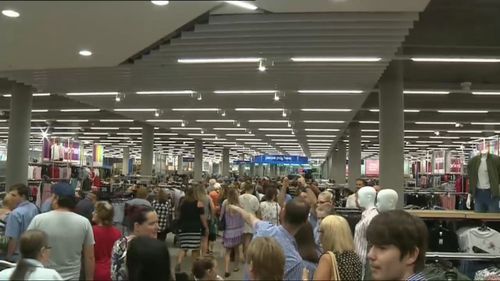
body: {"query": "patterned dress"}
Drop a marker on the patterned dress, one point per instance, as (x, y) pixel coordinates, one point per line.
(234, 227)
(118, 266)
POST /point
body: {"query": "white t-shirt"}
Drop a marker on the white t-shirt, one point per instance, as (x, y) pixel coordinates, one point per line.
(488, 240)
(40, 273)
(251, 204)
(68, 233)
(270, 211)
(351, 201)
(483, 179)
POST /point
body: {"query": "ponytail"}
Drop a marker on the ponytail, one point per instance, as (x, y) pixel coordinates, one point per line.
(22, 271)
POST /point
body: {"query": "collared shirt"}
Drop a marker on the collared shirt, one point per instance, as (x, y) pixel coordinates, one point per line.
(19, 219)
(40, 273)
(360, 242)
(417, 277)
(293, 260)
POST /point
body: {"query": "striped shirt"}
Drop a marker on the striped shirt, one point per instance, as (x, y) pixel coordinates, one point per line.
(360, 243)
(417, 277)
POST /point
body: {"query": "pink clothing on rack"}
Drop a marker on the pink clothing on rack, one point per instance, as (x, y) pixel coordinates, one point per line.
(448, 201)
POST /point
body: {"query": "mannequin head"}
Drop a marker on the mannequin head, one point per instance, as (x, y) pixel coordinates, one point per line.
(387, 200)
(366, 197)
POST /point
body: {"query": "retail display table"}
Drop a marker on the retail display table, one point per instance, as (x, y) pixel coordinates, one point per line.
(455, 214)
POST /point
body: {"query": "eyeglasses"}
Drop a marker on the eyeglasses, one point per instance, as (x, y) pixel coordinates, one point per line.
(47, 248)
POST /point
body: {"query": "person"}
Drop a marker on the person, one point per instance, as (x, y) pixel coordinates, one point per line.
(270, 209)
(209, 209)
(148, 259)
(337, 242)
(35, 253)
(233, 232)
(140, 197)
(308, 249)
(293, 216)
(215, 196)
(19, 219)
(162, 207)
(205, 269)
(192, 220)
(259, 253)
(142, 221)
(321, 212)
(249, 203)
(399, 242)
(352, 200)
(85, 207)
(211, 185)
(70, 235)
(105, 236)
(8, 205)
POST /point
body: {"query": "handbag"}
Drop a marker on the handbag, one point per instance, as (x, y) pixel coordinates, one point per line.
(222, 222)
(335, 268)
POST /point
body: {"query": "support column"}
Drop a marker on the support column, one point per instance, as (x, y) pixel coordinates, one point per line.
(392, 129)
(126, 158)
(252, 169)
(331, 165)
(180, 165)
(147, 151)
(225, 162)
(339, 164)
(354, 153)
(198, 160)
(241, 166)
(19, 135)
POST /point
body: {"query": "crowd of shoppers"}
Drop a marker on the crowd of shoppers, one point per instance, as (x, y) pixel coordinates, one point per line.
(271, 234)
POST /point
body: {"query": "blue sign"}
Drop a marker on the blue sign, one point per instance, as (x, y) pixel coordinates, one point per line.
(281, 159)
(238, 162)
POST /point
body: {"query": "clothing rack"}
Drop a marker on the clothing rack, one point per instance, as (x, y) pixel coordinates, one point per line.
(461, 256)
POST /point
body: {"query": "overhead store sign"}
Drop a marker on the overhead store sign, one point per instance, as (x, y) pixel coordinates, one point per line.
(281, 159)
(241, 162)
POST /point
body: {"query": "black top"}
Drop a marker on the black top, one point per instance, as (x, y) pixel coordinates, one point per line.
(189, 220)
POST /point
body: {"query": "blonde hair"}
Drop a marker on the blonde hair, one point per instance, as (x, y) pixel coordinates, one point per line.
(258, 253)
(336, 234)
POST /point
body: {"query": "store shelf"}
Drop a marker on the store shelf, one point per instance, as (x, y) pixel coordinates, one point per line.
(455, 214)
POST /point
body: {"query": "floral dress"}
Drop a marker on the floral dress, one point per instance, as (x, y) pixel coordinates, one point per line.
(118, 259)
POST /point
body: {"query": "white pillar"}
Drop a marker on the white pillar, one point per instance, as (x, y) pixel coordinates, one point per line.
(126, 158)
(147, 150)
(354, 153)
(180, 165)
(225, 162)
(198, 160)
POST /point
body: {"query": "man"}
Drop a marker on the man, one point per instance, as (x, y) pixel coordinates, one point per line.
(294, 216)
(85, 207)
(352, 200)
(69, 235)
(399, 242)
(322, 211)
(249, 203)
(140, 197)
(19, 219)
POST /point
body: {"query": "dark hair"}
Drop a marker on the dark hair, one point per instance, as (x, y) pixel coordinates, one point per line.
(190, 195)
(21, 189)
(365, 183)
(68, 202)
(271, 193)
(137, 214)
(201, 265)
(148, 259)
(249, 186)
(401, 229)
(30, 245)
(296, 212)
(104, 211)
(306, 244)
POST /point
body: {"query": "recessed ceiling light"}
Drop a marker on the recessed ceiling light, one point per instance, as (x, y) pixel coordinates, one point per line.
(336, 59)
(242, 4)
(219, 60)
(160, 3)
(451, 59)
(10, 13)
(85, 53)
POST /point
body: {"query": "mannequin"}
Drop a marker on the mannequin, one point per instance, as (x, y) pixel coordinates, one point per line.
(484, 175)
(386, 200)
(366, 200)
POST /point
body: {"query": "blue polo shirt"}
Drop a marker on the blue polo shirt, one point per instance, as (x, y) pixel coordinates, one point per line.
(293, 260)
(19, 219)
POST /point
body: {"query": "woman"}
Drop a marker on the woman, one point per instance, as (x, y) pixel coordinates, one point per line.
(265, 259)
(233, 232)
(192, 223)
(205, 269)
(148, 259)
(336, 239)
(142, 221)
(162, 206)
(34, 254)
(308, 249)
(209, 209)
(270, 209)
(105, 236)
(8, 204)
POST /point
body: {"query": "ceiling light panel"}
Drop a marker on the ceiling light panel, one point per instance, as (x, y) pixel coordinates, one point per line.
(455, 59)
(195, 109)
(219, 60)
(259, 109)
(463, 111)
(243, 92)
(425, 92)
(326, 110)
(214, 121)
(93, 94)
(330, 91)
(336, 59)
(117, 120)
(81, 110)
(175, 93)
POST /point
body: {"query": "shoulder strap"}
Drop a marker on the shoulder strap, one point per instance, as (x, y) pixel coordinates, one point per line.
(335, 268)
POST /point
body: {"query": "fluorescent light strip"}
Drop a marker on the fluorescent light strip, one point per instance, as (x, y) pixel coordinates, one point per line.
(164, 121)
(425, 92)
(485, 123)
(444, 137)
(219, 60)
(321, 130)
(451, 59)
(419, 131)
(104, 128)
(39, 110)
(268, 121)
(81, 110)
(69, 120)
(183, 92)
(336, 59)
(435, 123)
(285, 140)
(370, 130)
(229, 129)
(275, 129)
(321, 136)
(195, 109)
(62, 133)
(486, 93)
(94, 133)
(202, 135)
(280, 136)
(412, 137)
(369, 137)
(93, 94)
(369, 122)
(330, 91)
(248, 139)
(463, 111)
(135, 128)
(214, 121)
(67, 128)
(166, 134)
(465, 131)
(129, 134)
(319, 140)
(116, 120)
(258, 109)
(240, 135)
(323, 121)
(226, 92)
(89, 138)
(185, 128)
(242, 4)
(326, 110)
(429, 142)
(134, 109)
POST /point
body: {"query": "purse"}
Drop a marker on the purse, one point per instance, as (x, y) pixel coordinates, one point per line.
(222, 222)
(335, 268)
